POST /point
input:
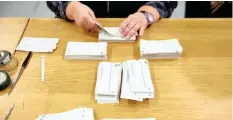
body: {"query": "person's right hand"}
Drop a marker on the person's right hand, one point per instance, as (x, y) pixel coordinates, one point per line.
(84, 17)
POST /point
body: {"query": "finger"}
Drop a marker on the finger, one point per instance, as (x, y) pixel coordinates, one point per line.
(125, 23)
(141, 31)
(92, 14)
(133, 31)
(90, 23)
(129, 27)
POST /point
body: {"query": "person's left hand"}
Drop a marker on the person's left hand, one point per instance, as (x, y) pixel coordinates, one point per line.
(132, 24)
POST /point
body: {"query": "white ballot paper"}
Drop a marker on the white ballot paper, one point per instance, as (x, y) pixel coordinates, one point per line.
(108, 82)
(136, 82)
(86, 51)
(35, 44)
(132, 119)
(75, 114)
(160, 48)
(117, 35)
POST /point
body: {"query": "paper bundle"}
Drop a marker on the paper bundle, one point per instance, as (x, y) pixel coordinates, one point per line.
(108, 82)
(75, 114)
(136, 82)
(160, 48)
(86, 51)
(103, 37)
(37, 44)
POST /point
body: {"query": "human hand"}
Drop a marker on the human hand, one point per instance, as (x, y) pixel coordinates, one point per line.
(132, 24)
(84, 17)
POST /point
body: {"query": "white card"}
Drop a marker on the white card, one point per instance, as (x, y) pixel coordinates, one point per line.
(139, 76)
(75, 114)
(108, 78)
(136, 82)
(117, 35)
(38, 44)
(160, 48)
(86, 51)
(126, 93)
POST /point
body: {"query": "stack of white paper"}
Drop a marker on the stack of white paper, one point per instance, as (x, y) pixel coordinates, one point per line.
(38, 44)
(133, 119)
(117, 35)
(136, 82)
(160, 48)
(75, 114)
(86, 51)
(108, 82)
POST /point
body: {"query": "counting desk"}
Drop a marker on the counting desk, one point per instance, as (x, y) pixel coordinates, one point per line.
(198, 86)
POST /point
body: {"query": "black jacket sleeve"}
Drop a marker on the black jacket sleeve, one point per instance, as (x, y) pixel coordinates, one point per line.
(59, 8)
(165, 8)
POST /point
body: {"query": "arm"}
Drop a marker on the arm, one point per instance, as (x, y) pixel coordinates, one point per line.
(83, 16)
(139, 21)
(59, 8)
(159, 9)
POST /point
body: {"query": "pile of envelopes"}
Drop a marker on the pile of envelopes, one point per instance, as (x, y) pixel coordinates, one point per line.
(38, 44)
(160, 48)
(136, 81)
(108, 82)
(86, 51)
(75, 114)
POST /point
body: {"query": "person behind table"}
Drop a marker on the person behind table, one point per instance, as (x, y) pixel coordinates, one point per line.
(139, 14)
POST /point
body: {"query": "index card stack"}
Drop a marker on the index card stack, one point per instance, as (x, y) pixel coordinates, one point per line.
(133, 119)
(160, 48)
(136, 82)
(103, 37)
(75, 114)
(37, 44)
(108, 82)
(86, 51)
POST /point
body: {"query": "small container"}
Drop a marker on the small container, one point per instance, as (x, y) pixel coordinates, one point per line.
(4, 80)
(7, 61)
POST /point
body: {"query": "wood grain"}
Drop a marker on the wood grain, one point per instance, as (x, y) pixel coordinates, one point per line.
(197, 86)
(11, 30)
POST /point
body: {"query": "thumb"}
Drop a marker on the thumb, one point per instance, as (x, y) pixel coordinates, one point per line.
(141, 31)
(91, 13)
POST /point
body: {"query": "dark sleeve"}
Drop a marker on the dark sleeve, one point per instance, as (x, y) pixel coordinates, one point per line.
(59, 8)
(165, 8)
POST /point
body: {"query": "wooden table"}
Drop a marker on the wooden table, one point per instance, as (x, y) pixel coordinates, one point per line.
(11, 30)
(196, 87)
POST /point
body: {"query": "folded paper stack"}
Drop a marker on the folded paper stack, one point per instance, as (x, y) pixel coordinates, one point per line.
(37, 44)
(75, 114)
(136, 82)
(103, 37)
(86, 51)
(108, 82)
(160, 48)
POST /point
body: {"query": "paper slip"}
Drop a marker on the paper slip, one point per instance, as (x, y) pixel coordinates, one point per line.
(133, 119)
(103, 37)
(108, 82)
(75, 114)
(86, 51)
(136, 82)
(160, 48)
(38, 44)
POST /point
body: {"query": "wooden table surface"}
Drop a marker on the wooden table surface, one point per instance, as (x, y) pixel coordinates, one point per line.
(11, 30)
(197, 86)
